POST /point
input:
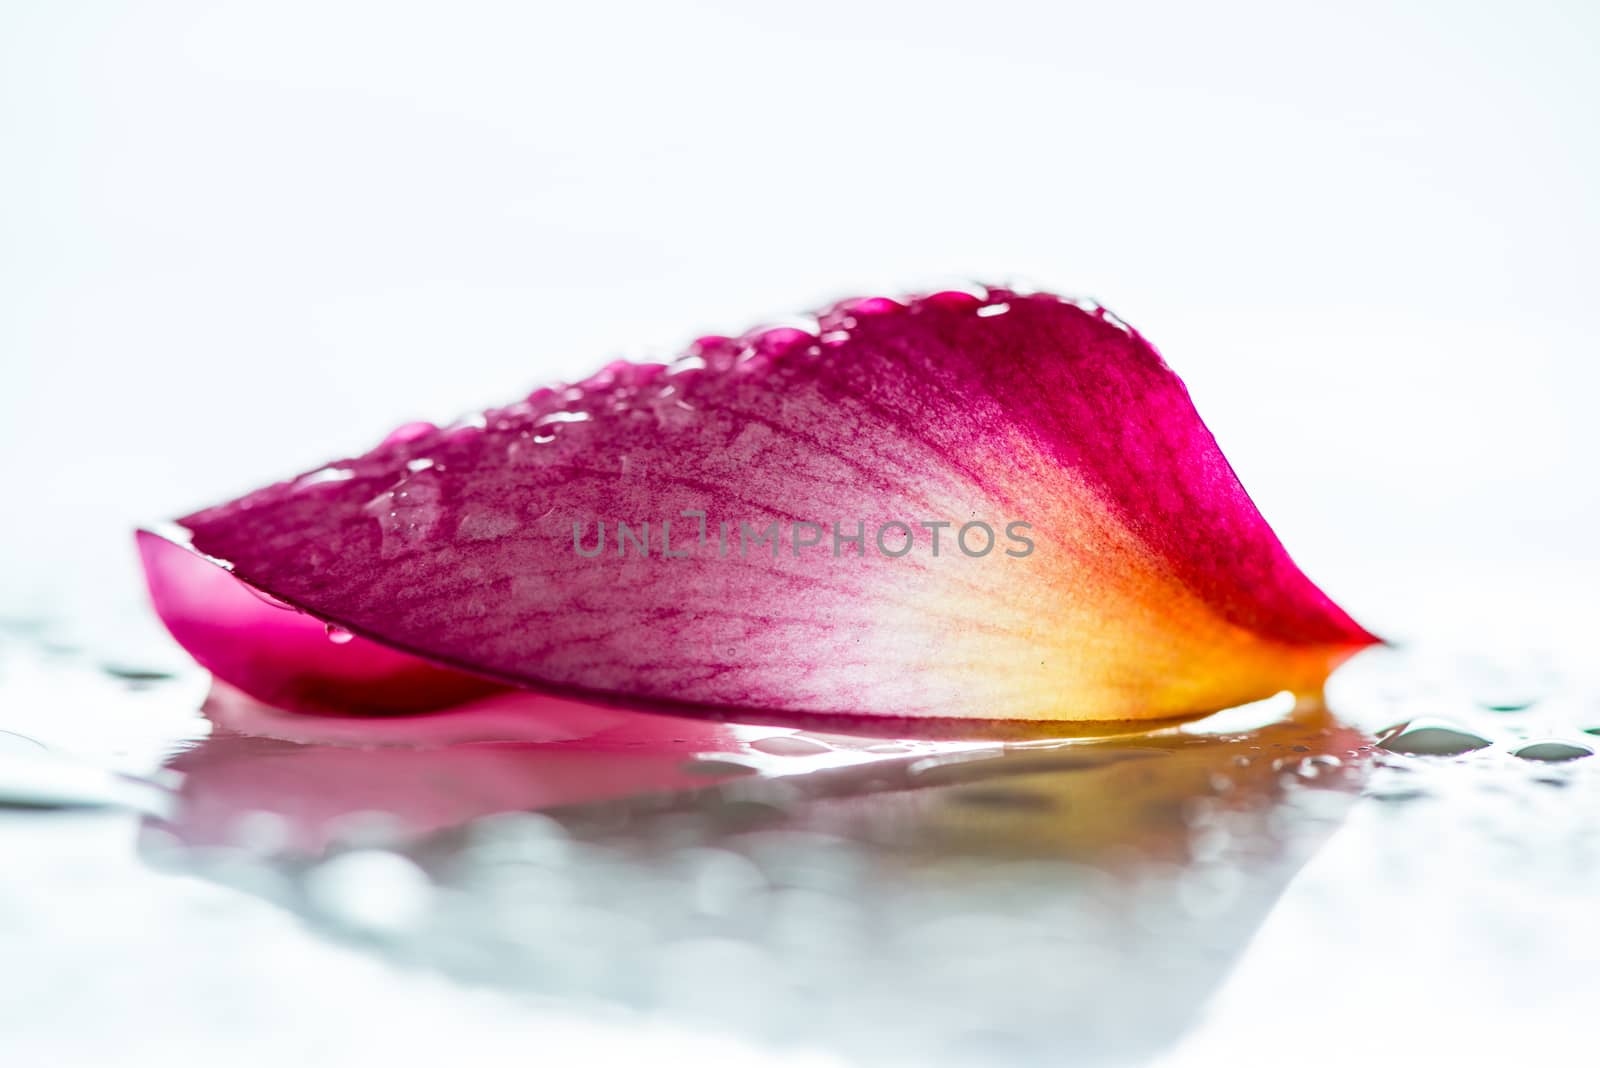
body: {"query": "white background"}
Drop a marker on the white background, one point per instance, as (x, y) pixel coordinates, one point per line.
(239, 239)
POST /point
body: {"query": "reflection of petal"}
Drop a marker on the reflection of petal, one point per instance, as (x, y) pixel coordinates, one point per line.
(1155, 591)
(1078, 901)
(523, 752)
(507, 716)
(1123, 803)
(506, 753)
(1095, 802)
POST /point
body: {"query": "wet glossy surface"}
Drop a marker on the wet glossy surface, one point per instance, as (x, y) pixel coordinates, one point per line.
(645, 886)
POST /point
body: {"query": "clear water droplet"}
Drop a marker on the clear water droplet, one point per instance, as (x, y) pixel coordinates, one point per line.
(672, 412)
(407, 513)
(338, 635)
(485, 525)
(562, 418)
(324, 476)
(136, 676)
(789, 745)
(1428, 737)
(266, 598)
(1313, 766)
(409, 432)
(1553, 752)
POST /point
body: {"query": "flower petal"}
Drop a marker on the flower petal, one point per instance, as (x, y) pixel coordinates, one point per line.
(1099, 562)
(285, 657)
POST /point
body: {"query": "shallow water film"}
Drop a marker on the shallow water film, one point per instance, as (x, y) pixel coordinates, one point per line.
(1407, 868)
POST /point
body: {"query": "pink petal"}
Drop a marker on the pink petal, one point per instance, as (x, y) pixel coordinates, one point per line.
(1154, 592)
(282, 656)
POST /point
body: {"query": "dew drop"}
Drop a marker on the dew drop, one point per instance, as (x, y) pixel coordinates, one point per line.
(672, 412)
(555, 418)
(407, 513)
(1428, 737)
(136, 676)
(485, 526)
(266, 598)
(1313, 766)
(1396, 793)
(789, 745)
(324, 476)
(1507, 702)
(338, 635)
(1553, 752)
(409, 432)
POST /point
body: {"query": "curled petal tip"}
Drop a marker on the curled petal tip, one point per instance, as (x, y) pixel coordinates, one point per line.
(958, 509)
(280, 655)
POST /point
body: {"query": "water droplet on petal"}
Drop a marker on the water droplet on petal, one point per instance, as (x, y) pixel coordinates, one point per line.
(338, 635)
(266, 598)
(672, 412)
(409, 432)
(789, 745)
(407, 513)
(324, 476)
(467, 425)
(556, 418)
(483, 525)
